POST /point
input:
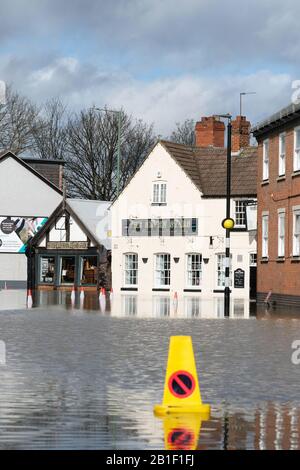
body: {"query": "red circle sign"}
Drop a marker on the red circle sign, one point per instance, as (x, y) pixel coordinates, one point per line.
(181, 384)
(181, 439)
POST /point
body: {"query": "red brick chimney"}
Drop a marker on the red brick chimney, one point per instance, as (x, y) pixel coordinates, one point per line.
(209, 131)
(240, 137)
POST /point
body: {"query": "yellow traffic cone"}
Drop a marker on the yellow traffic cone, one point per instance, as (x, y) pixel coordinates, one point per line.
(181, 392)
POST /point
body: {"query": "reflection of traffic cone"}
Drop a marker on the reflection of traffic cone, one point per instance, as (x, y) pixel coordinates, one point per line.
(182, 431)
(81, 294)
(73, 294)
(175, 302)
(29, 298)
(102, 300)
(181, 392)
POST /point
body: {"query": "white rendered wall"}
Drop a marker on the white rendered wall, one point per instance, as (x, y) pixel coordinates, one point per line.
(22, 194)
(183, 200)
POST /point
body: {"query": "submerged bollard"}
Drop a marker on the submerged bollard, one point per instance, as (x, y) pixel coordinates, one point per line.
(181, 391)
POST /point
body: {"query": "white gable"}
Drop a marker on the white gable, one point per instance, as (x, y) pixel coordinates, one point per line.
(24, 194)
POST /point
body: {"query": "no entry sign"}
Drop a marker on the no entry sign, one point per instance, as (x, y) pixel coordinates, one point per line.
(181, 384)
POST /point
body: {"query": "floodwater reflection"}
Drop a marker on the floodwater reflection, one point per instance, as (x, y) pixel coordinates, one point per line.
(83, 379)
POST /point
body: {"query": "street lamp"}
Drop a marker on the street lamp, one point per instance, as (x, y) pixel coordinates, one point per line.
(227, 223)
(118, 144)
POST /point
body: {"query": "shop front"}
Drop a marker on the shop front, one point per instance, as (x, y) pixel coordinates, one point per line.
(68, 253)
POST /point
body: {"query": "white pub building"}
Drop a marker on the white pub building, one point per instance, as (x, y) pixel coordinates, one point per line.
(167, 237)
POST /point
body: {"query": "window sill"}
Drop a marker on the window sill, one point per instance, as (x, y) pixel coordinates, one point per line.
(264, 182)
(295, 259)
(280, 259)
(295, 173)
(281, 178)
(131, 289)
(158, 203)
(264, 260)
(220, 291)
(160, 289)
(192, 290)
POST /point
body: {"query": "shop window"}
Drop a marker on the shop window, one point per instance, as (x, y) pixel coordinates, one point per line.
(161, 306)
(193, 307)
(47, 269)
(67, 274)
(88, 270)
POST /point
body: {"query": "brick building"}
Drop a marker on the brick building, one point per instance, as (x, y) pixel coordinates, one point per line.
(278, 194)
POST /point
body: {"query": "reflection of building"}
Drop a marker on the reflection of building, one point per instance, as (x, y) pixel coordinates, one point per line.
(72, 248)
(166, 223)
(28, 196)
(279, 206)
(189, 306)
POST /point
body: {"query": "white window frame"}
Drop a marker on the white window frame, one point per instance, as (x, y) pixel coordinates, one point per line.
(296, 233)
(191, 269)
(160, 271)
(129, 270)
(281, 233)
(253, 255)
(266, 159)
(282, 154)
(240, 214)
(296, 150)
(265, 236)
(220, 270)
(159, 192)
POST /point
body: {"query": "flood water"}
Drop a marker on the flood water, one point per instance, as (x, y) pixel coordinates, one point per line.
(87, 377)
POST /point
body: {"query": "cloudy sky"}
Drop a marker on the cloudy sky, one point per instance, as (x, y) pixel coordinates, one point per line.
(162, 60)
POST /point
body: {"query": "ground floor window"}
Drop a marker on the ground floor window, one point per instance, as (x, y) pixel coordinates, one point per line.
(47, 269)
(162, 269)
(67, 271)
(194, 268)
(88, 270)
(131, 269)
(221, 270)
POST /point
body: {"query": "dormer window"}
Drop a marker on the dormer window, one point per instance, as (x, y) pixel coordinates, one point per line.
(159, 195)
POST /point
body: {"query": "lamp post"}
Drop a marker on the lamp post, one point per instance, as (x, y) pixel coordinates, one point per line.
(227, 223)
(118, 144)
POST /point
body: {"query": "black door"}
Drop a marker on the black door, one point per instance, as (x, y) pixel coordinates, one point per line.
(252, 282)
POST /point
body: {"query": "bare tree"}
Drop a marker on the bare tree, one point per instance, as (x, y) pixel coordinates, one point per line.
(17, 119)
(92, 142)
(49, 132)
(184, 133)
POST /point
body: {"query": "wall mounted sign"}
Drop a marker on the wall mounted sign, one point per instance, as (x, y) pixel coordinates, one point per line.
(67, 245)
(15, 232)
(239, 278)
